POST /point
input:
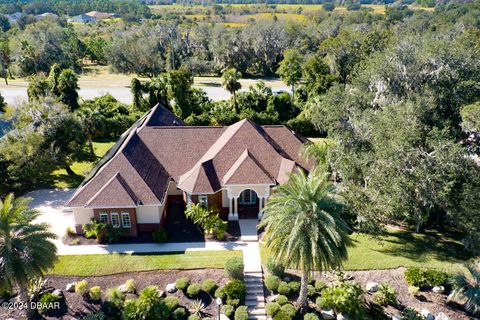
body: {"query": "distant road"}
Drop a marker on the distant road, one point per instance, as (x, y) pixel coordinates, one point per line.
(16, 92)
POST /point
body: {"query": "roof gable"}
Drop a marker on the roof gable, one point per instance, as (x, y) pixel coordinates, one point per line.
(116, 190)
(247, 170)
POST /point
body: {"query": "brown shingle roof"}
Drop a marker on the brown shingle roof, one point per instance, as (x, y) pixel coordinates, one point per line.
(115, 190)
(200, 159)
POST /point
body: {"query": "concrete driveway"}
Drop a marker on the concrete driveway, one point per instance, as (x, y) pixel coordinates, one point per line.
(50, 203)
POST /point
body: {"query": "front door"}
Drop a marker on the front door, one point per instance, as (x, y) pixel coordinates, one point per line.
(247, 197)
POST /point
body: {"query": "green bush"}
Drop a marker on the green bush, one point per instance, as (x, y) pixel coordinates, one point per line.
(311, 292)
(131, 286)
(413, 290)
(411, 314)
(219, 293)
(294, 286)
(233, 302)
(95, 293)
(344, 297)
(386, 295)
(171, 302)
(81, 287)
(209, 285)
(281, 300)
(282, 316)
(275, 268)
(235, 289)
(424, 278)
(234, 268)
(149, 305)
(289, 310)
(48, 299)
(227, 310)
(95, 316)
(284, 288)
(272, 308)
(182, 283)
(241, 313)
(320, 285)
(310, 316)
(272, 282)
(159, 235)
(179, 314)
(194, 317)
(193, 290)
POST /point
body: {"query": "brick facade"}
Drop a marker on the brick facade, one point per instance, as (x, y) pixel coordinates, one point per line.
(129, 232)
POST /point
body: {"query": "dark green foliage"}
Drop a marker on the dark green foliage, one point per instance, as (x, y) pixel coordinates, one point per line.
(233, 302)
(344, 297)
(179, 314)
(376, 312)
(171, 302)
(281, 300)
(219, 293)
(194, 289)
(284, 288)
(320, 285)
(310, 316)
(159, 235)
(235, 289)
(328, 6)
(272, 282)
(311, 290)
(227, 310)
(411, 314)
(281, 315)
(149, 306)
(386, 295)
(48, 299)
(294, 286)
(182, 283)
(423, 278)
(209, 285)
(289, 310)
(275, 268)
(241, 313)
(3, 104)
(272, 308)
(114, 234)
(95, 316)
(234, 268)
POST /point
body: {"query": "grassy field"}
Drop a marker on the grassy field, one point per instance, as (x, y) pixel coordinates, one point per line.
(60, 178)
(96, 265)
(403, 249)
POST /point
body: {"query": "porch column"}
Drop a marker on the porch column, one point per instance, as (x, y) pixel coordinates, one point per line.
(260, 207)
(233, 216)
(189, 198)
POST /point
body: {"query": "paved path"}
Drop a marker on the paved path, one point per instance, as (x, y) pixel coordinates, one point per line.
(248, 229)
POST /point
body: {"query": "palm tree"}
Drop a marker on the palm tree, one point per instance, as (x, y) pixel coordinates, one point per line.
(468, 288)
(25, 250)
(230, 82)
(303, 227)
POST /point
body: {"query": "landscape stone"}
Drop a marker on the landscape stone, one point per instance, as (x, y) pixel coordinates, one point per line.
(162, 293)
(342, 317)
(328, 314)
(58, 293)
(123, 288)
(442, 316)
(171, 288)
(438, 289)
(272, 298)
(394, 317)
(372, 286)
(70, 287)
(427, 315)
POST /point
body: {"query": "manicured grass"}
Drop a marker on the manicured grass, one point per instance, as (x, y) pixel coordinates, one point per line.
(60, 178)
(96, 265)
(402, 248)
(328, 141)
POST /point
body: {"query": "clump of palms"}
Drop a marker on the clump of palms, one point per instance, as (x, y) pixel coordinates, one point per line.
(26, 251)
(304, 228)
(467, 288)
(230, 82)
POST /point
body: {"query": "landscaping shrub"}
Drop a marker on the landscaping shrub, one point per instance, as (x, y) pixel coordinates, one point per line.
(411, 314)
(159, 235)
(219, 293)
(275, 268)
(235, 289)
(95, 229)
(210, 222)
(386, 295)
(115, 297)
(272, 282)
(95, 316)
(294, 286)
(182, 283)
(310, 316)
(48, 299)
(376, 312)
(81, 287)
(311, 291)
(95, 293)
(424, 278)
(413, 290)
(272, 308)
(282, 316)
(193, 317)
(179, 314)
(281, 300)
(149, 305)
(234, 268)
(171, 302)
(345, 297)
(233, 302)
(241, 313)
(209, 285)
(284, 288)
(227, 310)
(320, 285)
(113, 235)
(197, 308)
(131, 286)
(289, 310)
(193, 290)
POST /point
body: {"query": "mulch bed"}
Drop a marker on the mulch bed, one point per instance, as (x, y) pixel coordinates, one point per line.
(76, 307)
(433, 302)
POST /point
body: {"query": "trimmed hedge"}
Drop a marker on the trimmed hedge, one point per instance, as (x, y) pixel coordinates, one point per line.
(209, 285)
(272, 308)
(241, 313)
(272, 283)
(284, 288)
(193, 290)
(171, 302)
(424, 278)
(234, 268)
(182, 283)
(281, 300)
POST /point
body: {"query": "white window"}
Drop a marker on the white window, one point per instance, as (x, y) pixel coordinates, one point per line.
(104, 217)
(126, 223)
(203, 201)
(115, 220)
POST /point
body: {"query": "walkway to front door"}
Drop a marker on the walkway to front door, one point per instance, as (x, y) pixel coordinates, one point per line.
(248, 229)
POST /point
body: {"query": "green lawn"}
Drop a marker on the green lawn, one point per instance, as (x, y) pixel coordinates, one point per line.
(60, 178)
(96, 265)
(401, 248)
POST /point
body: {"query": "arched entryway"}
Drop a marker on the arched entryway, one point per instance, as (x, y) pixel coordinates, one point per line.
(248, 204)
